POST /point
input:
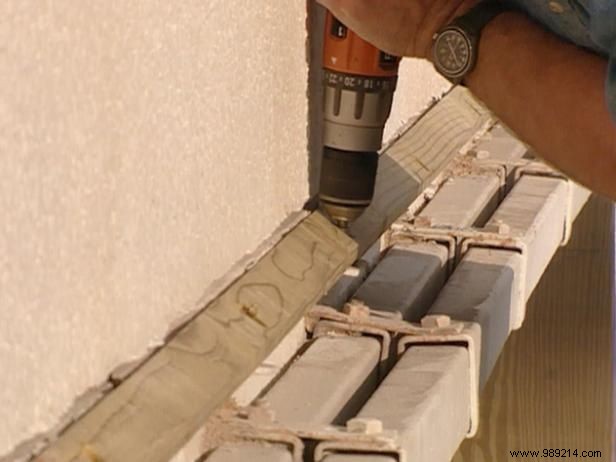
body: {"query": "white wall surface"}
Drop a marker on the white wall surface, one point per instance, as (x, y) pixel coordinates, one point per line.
(417, 85)
(145, 147)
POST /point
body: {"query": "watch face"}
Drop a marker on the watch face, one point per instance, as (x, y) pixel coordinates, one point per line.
(452, 53)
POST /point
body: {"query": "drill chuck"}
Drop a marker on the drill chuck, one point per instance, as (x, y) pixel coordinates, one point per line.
(347, 183)
(359, 85)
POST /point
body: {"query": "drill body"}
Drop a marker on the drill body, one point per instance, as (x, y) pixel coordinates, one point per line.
(359, 84)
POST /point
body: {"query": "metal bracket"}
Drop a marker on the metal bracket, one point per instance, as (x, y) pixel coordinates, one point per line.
(507, 167)
(460, 241)
(366, 439)
(382, 444)
(365, 436)
(483, 166)
(356, 318)
(359, 316)
(404, 233)
(326, 328)
(437, 329)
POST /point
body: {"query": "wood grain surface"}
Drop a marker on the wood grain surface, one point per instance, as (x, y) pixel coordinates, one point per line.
(161, 405)
(410, 164)
(551, 387)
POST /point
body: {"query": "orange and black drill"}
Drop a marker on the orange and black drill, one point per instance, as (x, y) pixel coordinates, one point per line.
(359, 82)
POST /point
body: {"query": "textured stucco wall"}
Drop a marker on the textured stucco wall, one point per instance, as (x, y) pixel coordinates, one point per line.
(145, 147)
(142, 152)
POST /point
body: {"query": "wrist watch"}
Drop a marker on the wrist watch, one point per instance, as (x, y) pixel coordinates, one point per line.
(455, 47)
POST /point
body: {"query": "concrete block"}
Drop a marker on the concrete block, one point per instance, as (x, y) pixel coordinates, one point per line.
(484, 289)
(535, 211)
(407, 279)
(333, 377)
(463, 201)
(425, 399)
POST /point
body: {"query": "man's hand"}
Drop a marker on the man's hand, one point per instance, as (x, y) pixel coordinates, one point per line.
(549, 92)
(399, 27)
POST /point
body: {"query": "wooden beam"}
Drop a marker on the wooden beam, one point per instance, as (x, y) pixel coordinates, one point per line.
(150, 415)
(158, 408)
(417, 157)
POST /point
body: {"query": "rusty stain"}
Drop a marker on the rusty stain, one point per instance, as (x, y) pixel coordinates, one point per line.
(89, 454)
(421, 164)
(252, 312)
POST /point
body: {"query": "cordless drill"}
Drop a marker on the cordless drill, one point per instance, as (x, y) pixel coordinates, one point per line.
(359, 84)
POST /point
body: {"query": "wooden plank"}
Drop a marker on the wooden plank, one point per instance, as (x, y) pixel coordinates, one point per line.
(410, 164)
(157, 409)
(150, 415)
(551, 387)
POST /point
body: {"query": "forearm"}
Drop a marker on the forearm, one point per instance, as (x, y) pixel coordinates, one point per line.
(552, 95)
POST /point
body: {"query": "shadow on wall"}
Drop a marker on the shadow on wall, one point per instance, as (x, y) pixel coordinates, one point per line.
(315, 24)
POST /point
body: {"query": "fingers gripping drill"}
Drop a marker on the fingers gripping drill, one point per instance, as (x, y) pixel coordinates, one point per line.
(359, 85)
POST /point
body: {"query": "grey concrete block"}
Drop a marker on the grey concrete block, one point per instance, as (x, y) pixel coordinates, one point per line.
(328, 382)
(463, 201)
(407, 279)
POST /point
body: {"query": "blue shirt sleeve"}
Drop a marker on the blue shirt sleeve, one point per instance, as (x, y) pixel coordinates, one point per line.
(603, 33)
